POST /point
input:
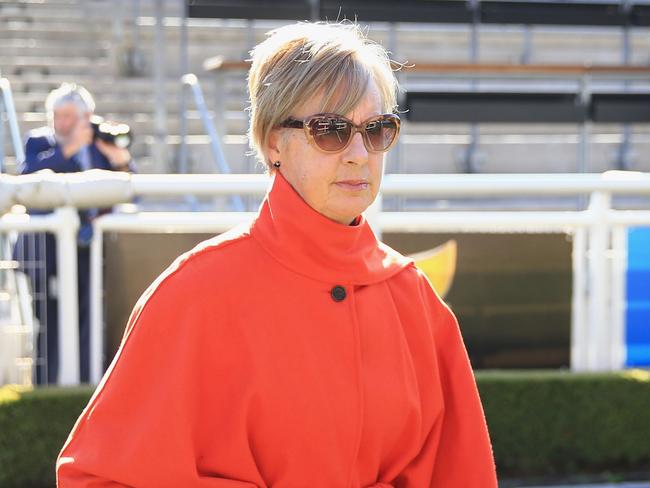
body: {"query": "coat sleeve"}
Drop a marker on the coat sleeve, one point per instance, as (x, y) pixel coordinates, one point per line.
(142, 427)
(456, 451)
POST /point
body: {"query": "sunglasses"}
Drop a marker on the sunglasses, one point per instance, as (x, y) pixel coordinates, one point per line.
(333, 133)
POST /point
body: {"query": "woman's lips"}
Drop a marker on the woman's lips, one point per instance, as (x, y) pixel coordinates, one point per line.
(354, 185)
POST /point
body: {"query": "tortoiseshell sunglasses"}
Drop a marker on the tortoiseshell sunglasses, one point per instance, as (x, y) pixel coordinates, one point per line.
(333, 133)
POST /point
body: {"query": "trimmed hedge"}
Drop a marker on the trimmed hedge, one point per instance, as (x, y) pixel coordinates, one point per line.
(542, 423)
(550, 423)
(33, 427)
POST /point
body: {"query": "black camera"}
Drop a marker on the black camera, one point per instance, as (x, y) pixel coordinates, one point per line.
(116, 133)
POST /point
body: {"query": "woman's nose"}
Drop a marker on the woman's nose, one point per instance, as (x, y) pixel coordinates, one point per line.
(356, 152)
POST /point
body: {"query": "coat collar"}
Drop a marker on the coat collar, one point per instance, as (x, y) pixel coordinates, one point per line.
(311, 244)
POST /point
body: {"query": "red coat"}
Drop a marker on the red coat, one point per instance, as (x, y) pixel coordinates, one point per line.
(291, 352)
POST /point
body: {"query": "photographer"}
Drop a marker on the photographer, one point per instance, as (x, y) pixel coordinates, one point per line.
(73, 141)
(67, 144)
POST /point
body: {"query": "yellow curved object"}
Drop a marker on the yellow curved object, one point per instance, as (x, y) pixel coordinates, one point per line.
(439, 264)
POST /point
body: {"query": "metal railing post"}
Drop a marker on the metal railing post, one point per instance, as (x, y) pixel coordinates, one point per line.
(579, 310)
(66, 255)
(96, 308)
(599, 306)
(618, 303)
(184, 63)
(159, 149)
(584, 147)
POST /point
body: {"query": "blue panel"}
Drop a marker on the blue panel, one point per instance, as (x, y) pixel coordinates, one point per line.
(639, 246)
(638, 315)
(638, 356)
(638, 297)
(638, 284)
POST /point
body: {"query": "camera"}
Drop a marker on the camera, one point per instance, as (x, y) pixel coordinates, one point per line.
(116, 133)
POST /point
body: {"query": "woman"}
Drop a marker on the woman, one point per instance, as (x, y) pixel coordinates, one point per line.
(296, 351)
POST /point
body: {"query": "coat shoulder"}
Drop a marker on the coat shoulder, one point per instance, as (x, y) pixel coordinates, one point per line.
(40, 137)
(409, 275)
(417, 283)
(188, 274)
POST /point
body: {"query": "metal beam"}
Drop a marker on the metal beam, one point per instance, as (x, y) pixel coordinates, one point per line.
(250, 9)
(620, 107)
(555, 13)
(515, 107)
(408, 11)
(493, 107)
(550, 12)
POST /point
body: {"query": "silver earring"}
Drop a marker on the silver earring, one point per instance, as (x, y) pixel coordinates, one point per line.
(276, 164)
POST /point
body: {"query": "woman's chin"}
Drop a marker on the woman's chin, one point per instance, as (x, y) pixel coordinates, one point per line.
(346, 214)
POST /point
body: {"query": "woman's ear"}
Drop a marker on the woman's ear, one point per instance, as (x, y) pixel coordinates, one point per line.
(273, 145)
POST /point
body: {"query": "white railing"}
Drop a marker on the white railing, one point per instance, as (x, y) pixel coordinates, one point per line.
(63, 223)
(599, 232)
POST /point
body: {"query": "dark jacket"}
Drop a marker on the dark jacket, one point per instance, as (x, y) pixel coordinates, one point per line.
(42, 151)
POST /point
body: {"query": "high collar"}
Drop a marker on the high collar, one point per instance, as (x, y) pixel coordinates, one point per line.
(311, 244)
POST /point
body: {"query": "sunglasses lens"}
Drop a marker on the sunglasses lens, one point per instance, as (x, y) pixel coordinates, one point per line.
(330, 134)
(381, 133)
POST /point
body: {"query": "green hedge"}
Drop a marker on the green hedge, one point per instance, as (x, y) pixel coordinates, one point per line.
(33, 427)
(550, 423)
(542, 423)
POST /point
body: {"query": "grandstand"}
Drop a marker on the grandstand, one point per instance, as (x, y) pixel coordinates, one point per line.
(490, 87)
(43, 43)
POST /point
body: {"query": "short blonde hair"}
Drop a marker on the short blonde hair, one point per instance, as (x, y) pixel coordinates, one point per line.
(296, 62)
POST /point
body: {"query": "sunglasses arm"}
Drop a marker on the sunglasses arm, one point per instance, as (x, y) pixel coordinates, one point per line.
(293, 124)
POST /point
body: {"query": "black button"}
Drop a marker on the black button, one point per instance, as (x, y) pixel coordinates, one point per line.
(338, 293)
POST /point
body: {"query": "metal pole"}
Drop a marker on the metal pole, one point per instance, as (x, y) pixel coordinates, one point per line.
(220, 108)
(182, 150)
(96, 309)
(585, 138)
(618, 342)
(249, 37)
(10, 110)
(136, 25)
(159, 150)
(528, 45)
(579, 324)
(118, 34)
(394, 157)
(66, 254)
(626, 135)
(599, 296)
(585, 134)
(215, 140)
(471, 165)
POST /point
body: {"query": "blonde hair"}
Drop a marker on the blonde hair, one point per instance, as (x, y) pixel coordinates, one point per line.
(296, 62)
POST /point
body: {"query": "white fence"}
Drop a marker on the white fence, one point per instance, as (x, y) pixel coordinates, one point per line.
(599, 233)
(63, 223)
